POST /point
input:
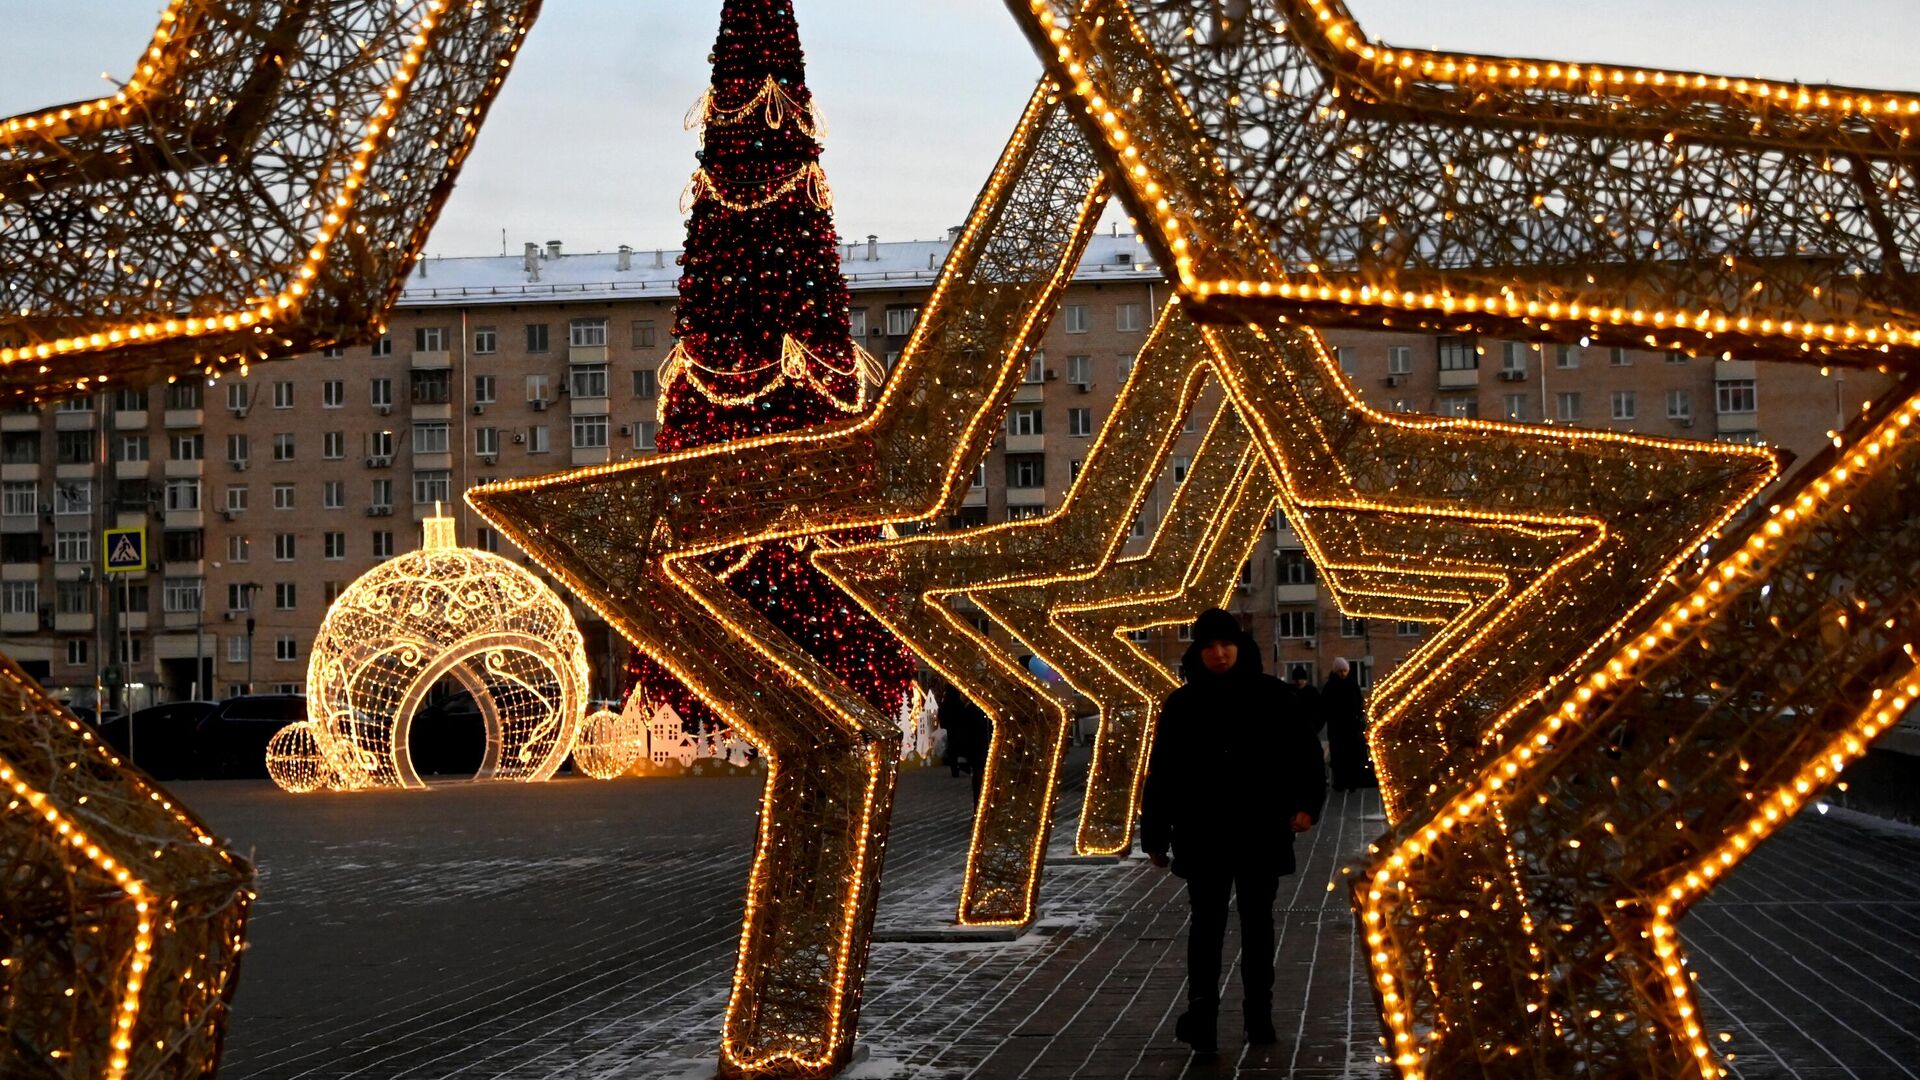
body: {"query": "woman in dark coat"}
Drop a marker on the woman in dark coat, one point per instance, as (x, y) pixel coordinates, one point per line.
(1235, 772)
(1346, 713)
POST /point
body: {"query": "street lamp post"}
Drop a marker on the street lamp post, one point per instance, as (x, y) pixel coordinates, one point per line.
(250, 588)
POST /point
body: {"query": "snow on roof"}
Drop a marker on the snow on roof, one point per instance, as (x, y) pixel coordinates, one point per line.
(504, 279)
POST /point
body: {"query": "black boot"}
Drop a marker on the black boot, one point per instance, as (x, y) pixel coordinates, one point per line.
(1260, 1031)
(1199, 1032)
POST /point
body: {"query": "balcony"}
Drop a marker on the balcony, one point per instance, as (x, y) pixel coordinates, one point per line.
(179, 619)
(1725, 370)
(184, 418)
(19, 624)
(20, 571)
(131, 470)
(133, 620)
(1026, 444)
(11, 471)
(1739, 423)
(442, 460)
(184, 469)
(431, 411)
(596, 455)
(129, 419)
(598, 406)
(74, 421)
(19, 523)
(27, 421)
(71, 571)
(1030, 393)
(1459, 378)
(586, 354)
(976, 496)
(1027, 496)
(431, 360)
(1296, 594)
(73, 624)
(185, 519)
(79, 470)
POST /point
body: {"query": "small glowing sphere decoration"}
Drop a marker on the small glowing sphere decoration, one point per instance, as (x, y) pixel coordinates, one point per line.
(610, 743)
(297, 762)
(445, 611)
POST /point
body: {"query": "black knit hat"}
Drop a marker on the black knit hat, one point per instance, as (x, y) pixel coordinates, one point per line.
(1214, 624)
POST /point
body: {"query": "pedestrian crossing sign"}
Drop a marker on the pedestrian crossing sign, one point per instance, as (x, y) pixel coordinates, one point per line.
(126, 551)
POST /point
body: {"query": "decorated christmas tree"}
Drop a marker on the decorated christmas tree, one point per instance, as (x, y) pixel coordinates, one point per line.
(763, 344)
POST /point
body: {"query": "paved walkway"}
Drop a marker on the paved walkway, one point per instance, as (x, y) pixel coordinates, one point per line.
(586, 930)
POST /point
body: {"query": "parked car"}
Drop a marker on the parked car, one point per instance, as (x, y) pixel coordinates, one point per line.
(164, 739)
(232, 739)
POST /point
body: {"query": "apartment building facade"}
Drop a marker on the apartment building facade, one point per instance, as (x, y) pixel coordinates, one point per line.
(261, 497)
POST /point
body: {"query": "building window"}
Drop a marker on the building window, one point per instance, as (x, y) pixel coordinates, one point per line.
(1292, 567)
(431, 387)
(483, 393)
(382, 495)
(283, 496)
(1566, 356)
(239, 548)
(1075, 319)
(380, 445)
(1515, 407)
(380, 392)
(239, 597)
(1122, 368)
(589, 432)
(1679, 405)
(20, 498)
(1459, 406)
(900, 320)
(1080, 422)
(182, 545)
(486, 539)
(1407, 629)
(73, 497)
(188, 447)
(77, 652)
(1457, 353)
(588, 381)
(1126, 318)
(286, 648)
(130, 399)
(430, 436)
(587, 333)
(73, 447)
(486, 441)
(1024, 420)
(183, 395)
(384, 346)
(285, 596)
(430, 339)
(73, 597)
(1026, 471)
(335, 545)
(283, 394)
(285, 547)
(539, 439)
(646, 384)
(330, 591)
(644, 433)
(1513, 356)
(183, 495)
(179, 594)
(333, 495)
(857, 323)
(646, 337)
(1400, 360)
(132, 448)
(132, 651)
(1569, 406)
(1734, 395)
(1022, 513)
(486, 340)
(20, 598)
(333, 352)
(1139, 529)
(73, 545)
(1080, 370)
(431, 486)
(1677, 358)
(237, 649)
(1295, 623)
(537, 389)
(237, 497)
(1352, 628)
(1036, 369)
(333, 393)
(1618, 357)
(383, 544)
(537, 337)
(1181, 466)
(333, 445)
(1625, 405)
(239, 449)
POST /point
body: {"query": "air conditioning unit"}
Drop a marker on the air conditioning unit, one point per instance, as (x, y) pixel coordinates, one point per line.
(239, 411)
(386, 410)
(230, 616)
(1683, 421)
(238, 464)
(379, 511)
(538, 404)
(1513, 374)
(519, 437)
(379, 462)
(1396, 380)
(1083, 387)
(1052, 375)
(626, 429)
(229, 514)
(479, 410)
(488, 459)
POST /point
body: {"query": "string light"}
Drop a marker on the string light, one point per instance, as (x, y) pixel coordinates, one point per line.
(443, 610)
(611, 743)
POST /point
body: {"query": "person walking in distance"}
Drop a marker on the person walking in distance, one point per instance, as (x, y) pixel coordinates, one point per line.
(1346, 713)
(1235, 772)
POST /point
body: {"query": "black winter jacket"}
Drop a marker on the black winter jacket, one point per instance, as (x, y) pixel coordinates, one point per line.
(1234, 758)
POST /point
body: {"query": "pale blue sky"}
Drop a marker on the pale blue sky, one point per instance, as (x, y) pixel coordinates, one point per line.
(585, 144)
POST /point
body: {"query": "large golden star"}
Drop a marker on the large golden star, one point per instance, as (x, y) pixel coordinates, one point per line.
(628, 539)
(259, 188)
(1293, 168)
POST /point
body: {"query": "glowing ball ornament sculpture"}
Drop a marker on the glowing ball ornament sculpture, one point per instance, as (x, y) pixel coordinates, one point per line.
(611, 743)
(442, 611)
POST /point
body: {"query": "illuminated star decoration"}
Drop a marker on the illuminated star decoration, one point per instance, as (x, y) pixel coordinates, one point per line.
(628, 539)
(259, 188)
(908, 583)
(124, 918)
(1350, 182)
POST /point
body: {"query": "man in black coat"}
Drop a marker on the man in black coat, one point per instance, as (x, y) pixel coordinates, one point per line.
(1346, 713)
(1235, 772)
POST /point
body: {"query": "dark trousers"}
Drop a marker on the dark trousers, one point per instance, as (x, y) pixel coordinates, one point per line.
(1207, 892)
